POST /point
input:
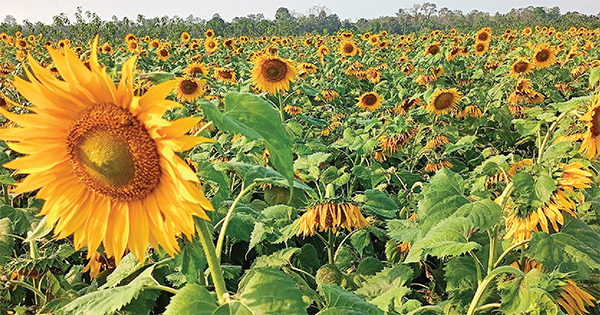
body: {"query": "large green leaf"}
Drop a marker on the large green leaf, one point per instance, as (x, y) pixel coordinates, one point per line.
(403, 230)
(574, 248)
(129, 264)
(22, 218)
(484, 214)
(380, 203)
(277, 259)
(460, 275)
(442, 196)
(108, 301)
(255, 118)
(336, 297)
(448, 238)
(193, 299)
(377, 288)
(523, 295)
(193, 260)
(207, 172)
(268, 291)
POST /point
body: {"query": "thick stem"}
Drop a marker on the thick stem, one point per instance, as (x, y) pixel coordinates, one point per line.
(508, 250)
(228, 217)
(493, 244)
(213, 261)
(161, 287)
(483, 285)
(331, 246)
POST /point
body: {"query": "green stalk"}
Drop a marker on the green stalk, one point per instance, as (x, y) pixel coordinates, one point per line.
(228, 217)
(281, 113)
(30, 287)
(483, 285)
(493, 244)
(213, 261)
(508, 250)
(6, 196)
(331, 246)
(547, 137)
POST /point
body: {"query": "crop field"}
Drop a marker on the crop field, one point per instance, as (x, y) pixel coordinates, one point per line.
(444, 172)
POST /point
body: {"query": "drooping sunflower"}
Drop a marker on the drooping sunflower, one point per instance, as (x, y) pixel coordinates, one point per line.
(272, 74)
(348, 48)
(433, 49)
(543, 55)
(436, 141)
(521, 66)
(103, 159)
(189, 89)
(369, 101)
(323, 217)
(444, 101)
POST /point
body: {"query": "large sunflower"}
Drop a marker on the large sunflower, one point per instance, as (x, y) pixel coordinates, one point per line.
(103, 159)
(369, 101)
(272, 74)
(444, 101)
(521, 66)
(348, 48)
(543, 55)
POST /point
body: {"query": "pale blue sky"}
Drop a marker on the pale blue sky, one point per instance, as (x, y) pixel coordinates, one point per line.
(44, 10)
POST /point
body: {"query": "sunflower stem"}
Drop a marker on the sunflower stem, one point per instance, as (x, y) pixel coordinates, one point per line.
(228, 217)
(547, 137)
(6, 196)
(208, 124)
(213, 261)
(508, 250)
(162, 288)
(493, 244)
(30, 287)
(331, 247)
(281, 113)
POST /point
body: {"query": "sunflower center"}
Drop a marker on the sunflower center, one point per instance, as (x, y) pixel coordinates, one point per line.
(189, 87)
(112, 153)
(164, 53)
(542, 56)
(595, 128)
(274, 70)
(348, 48)
(370, 100)
(520, 67)
(443, 101)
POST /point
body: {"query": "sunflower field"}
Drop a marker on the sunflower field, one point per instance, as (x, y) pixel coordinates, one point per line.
(353, 173)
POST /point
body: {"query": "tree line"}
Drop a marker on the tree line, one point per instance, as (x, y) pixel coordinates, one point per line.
(319, 19)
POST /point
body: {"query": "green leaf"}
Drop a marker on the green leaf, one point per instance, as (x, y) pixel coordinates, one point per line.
(544, 188)
(309, 90)
(108, 301)
(241, 226)
(448, 238)
(22, 218)
(310, 164)
(484, 214)
(523, 295)
(556, 150)
(193, 261)
(255, 118)
(268, 291)
(207, 172)
(193, 299)
(6, 242)
(39, 231)
(403, 230)
(527, 127)
(369, 266)
(336, 297)
(129, 264)
(524, 184)
(277, 259)
(460, 275)
(442, 196)
(572, 104)
(342, 310)
(387, 279)
(259, 174)
(574, 248)
(360, 240)
(594, 76)
(380, 203)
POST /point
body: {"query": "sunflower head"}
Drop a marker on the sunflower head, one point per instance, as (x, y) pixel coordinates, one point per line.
(330, 215)
(433, 49)
(444, 101)
(520, 66)
(189, 89)
(195, 69)
(273, 74)
(348, 48)
(481, 47)
(369, 101)
(543, 55)
(103, 159)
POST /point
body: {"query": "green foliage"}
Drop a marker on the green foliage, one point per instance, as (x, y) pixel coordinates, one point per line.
(6, 242)
(340, 299)
(192, 299)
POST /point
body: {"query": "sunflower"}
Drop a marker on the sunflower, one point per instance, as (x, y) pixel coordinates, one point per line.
(105, 160)
(106, 48)
(273, 74)
(481, 47)
(163, 53)
(211, 45)
(436, 141)
(444, 101)
(591, 138)
(527, 31)
(543, 55)
(433, 49)
(348, 48)
(323, 217)
(196, 68)
(521, 228)
(189, 89)
(132, 46)
(521, 66)
(369, 101)
(154, 44)
(484, 35)
(329, 95)
(434, 167)
(185, 37)
(293, 110)
(225, 75)
(21, 43)
(470, 111)
(130, 37)
(209, 33)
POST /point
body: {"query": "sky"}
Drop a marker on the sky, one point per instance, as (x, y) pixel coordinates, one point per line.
(44, 10)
